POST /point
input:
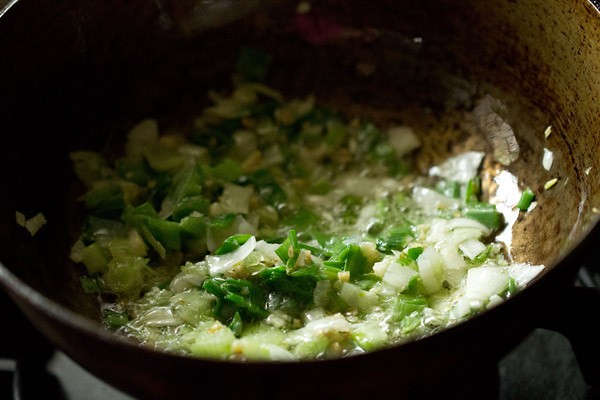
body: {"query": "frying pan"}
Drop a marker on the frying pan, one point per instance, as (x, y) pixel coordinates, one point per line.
(77, 74)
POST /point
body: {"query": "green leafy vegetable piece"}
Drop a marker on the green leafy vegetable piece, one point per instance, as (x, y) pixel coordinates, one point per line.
(132, 171)
(236, 296)
(145, 219)
(396, 239)
(367, 281)
(105, 200)
(232, 243)
(526, 199)
(301, 219)
(355, 261)
(94, 258)
(406, 305)
(114, 319)
(188, 205)
(126, 278)
(89, 166)
(168, 233)
(289, 250)
(473, 190)
(336, 133)
(216, 138)
(221, 221)
(449, 188)
(414, 252)
(193, 226)
(267, 187)
(299, 287)
(512, 288)
(485, 213)
(351, 206)
(90, 284)
(236, 325)
(350, 259)
(317, 251)
(228, 170)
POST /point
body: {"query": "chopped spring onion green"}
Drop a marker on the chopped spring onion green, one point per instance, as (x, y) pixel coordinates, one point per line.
(526, 199)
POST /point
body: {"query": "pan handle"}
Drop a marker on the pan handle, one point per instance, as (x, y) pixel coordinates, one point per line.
(575, 316)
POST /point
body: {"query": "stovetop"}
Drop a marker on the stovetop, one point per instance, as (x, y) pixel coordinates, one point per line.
(543, 366)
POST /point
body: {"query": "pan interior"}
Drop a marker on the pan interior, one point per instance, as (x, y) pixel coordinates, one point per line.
(417, 65)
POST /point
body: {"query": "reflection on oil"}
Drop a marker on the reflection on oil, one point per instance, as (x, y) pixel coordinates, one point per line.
(506, 197)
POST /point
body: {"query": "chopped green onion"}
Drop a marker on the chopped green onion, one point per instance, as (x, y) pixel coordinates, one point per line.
(236, 296)
(550, 183)
(526, 198)
(237, 325)
(228, 170)
(168, 233)
(473, 190)
(232, 243)
(267, 187)
(105, 200)
(114, 319)
(406, 305)
(188, 205)
(221, 221)
(90, 284)
(396, 239)
(289, 250)
(450, 189)
(414, 252)
(94, 258)
(485, 213)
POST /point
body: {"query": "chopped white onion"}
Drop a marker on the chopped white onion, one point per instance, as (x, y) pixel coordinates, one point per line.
(380, 267)
(547, 159)
(278, 353)
(268, 250)
(483, 282)
(235, 199)
(356, 297)
(34, 224)
(403, 140)
(437, 230)
(314, 314)
(459, 168)
(508, 192)
(160, 316)
(455, 223)
(75, 254)
(495, 300)
(140, 135)
(452, 259)
(431, 201)
(186, 280)
(461, 308)
(472, 248)
(336, 323)
(430, 265)
(398, 276)
(523, 273)
(218, 264)
(455, 277)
